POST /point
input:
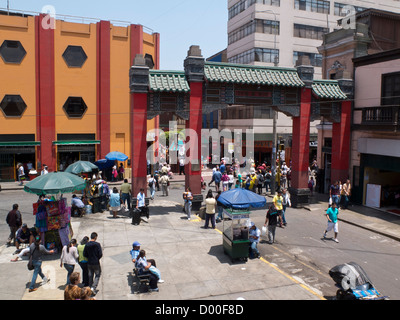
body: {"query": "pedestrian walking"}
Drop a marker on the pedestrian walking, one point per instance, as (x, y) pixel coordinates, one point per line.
(83, 261)
(188, 197)
(115, 202)
(21, 174)
(211, 205)
(332, 214)
(231, 179)
(260, 180)
(346, 193)
(126, 194)
(285, 203)
(14, 221)
(334, 193)
(164, 180)
(69, 257)
(278, 203)
(152, 186)
(36, 251)
(94, 253)
(225, 181)
(271, 221)
(216, 177)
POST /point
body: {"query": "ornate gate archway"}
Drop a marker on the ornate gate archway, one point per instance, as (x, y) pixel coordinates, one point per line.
(209, 86)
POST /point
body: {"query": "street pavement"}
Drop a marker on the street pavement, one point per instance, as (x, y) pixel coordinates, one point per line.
(191, 259)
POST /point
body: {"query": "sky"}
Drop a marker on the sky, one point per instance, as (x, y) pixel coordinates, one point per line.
(180, 23)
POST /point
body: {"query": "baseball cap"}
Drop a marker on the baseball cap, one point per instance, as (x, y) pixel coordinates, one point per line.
(136, 244)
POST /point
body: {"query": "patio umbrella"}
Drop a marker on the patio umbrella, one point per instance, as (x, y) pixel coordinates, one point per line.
(55, 183)
(116, 155)
(104, 164)
(81, 166)
(241, 199)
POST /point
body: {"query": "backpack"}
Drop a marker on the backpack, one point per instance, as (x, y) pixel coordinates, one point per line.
(151, 182)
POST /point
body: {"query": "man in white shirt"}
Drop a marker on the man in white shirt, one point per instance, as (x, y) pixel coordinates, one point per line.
(254, 237)
(44, 171)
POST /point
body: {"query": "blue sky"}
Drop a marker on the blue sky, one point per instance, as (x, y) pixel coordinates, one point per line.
(181, 23)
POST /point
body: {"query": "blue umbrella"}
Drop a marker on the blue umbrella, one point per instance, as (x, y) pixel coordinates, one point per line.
(116, 155)
(104, 164)
(241, 199)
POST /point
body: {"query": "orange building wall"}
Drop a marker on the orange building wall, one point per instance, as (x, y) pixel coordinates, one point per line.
(75, 82)
(19, 79)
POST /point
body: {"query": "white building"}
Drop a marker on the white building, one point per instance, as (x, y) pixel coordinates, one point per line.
(268, 32)
(261, 30)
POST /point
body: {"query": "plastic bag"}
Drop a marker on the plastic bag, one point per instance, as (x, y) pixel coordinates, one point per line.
(264, 230)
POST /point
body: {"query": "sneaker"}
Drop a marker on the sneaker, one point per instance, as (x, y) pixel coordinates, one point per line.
(45, 280)
(324, 236)
(161, 281)
(336, 240)
(154, 290)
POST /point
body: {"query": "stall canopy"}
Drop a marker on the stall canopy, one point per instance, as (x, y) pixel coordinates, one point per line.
(81, 166)
(116, 155)
(239, 199)
(55, 183)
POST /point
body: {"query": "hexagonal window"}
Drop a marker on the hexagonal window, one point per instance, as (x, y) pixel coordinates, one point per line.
(13, 106)
(75, 107)
(74, 56)
(12, 51)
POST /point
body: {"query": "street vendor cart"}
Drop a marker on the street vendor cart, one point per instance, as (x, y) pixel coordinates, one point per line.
(236, 241)
(237, 204)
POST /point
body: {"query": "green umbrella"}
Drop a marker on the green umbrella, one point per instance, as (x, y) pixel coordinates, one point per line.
(55, 183)
(81, 166)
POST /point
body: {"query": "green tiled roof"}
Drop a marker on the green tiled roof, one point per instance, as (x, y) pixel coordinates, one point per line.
(246, 74)
(328, 89)
(168, 81)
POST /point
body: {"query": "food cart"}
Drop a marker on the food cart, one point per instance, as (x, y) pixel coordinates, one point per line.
(237, 204)
(236, 234)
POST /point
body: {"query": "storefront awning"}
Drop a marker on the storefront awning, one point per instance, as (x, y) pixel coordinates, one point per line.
(76, 143)
(20, 144)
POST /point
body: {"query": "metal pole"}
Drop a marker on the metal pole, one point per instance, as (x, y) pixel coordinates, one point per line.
(8, 7)
(273, 161)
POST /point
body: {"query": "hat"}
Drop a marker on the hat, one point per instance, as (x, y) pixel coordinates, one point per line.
(136, 244)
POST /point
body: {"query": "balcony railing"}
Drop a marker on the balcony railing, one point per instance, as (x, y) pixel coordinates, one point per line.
(383, 115)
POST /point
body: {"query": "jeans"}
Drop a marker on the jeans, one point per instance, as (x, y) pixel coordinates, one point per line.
(283, 213)
(85, 275)
(208, 217)
(220, 211)
(188, 208)
(267, 186)
(126, 197)
(271, 234)
(94, 271)
(70, 268)
(254, 249)
(37, 271)
(335, 199)
(152, 192)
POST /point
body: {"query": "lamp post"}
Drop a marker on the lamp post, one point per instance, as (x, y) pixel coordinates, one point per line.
(275, 113)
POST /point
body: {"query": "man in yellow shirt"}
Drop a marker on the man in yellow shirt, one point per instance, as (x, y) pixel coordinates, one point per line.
(278, 203)
(126, 193)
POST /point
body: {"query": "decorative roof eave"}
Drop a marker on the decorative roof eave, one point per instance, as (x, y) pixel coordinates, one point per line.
(249, 74)
(328, 89)
(168, 81)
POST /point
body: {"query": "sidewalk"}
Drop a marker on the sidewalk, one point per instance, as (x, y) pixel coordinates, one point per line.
(191, 260)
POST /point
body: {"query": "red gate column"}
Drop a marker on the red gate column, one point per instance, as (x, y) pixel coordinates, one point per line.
(45, 95)
(139, 85)
(299, 191)
(341, 145)
(194, 69)
(300, 151)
